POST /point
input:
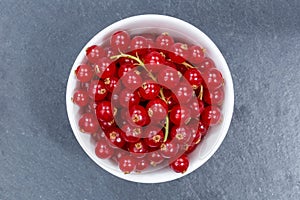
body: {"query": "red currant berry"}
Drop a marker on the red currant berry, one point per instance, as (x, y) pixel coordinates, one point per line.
(115, 138)
(149, 90)
(120, 41)
(168, 77)
(84, 73)
(138, 149)
(196, 132)
(111, 84)
(132, 80)
(127, 164)
(153, 137)
(128, 99)
(181, 68)
(202, 128)
(106, 126)
(215, 97)
(81, 98)
(196, 54)
(183, 92)
(103, 150)
(105, 68)
(91, 107)
(164, 41)
(105, 112)
(150, 44)
(125, 60)
(154, 61)
(97, 90)
(118, 153)
(138, 44)
(109, 52)
(85, 86)
(211, 115)
(181, 134)
(88, 123)
(178, 52)
(155, 158)
(193, 76)
(169, 149)
(213, 79)
(124, 68)
(206, 65)
(131, 133)
(196, 106)
(94, 53)
(138, 115)
(99, 135)
(157, 109)
(181, 164)
(180, 114)
(171, 99)
(141, 164)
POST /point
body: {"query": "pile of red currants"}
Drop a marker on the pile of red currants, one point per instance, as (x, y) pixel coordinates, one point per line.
(147, 100)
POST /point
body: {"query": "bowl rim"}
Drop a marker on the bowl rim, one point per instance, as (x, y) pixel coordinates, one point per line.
(229, 83)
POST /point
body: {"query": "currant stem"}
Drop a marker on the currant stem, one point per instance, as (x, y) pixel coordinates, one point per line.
(200, 96)
(187, 65)
(137, 59)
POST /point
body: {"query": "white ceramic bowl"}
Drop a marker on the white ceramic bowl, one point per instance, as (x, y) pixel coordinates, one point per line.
(181, 29)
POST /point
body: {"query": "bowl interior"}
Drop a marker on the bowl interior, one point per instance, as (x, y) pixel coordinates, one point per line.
(178, 29)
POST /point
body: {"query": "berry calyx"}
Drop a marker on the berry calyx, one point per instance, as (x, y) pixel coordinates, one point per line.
(115, 138)
(138, 115)
(180, 134)
(153, 137)
(131, 133)
(138, 149)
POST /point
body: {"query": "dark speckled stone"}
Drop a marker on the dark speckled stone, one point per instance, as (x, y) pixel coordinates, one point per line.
(39, 156)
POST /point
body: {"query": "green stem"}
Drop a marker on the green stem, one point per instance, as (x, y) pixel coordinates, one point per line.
(187, 65)
(200, 96)
(137, 59)
(167, 117)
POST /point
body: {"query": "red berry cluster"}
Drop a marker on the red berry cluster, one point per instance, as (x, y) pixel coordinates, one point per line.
(147, 100)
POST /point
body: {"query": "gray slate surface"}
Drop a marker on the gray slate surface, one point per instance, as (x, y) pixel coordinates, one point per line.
(39, 156)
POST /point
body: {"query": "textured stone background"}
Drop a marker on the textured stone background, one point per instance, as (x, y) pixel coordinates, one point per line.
(39, 156)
